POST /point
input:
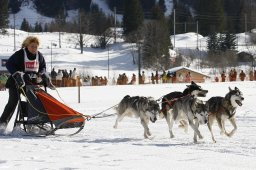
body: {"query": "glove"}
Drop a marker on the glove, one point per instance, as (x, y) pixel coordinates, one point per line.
(18, 77)
(47, 81)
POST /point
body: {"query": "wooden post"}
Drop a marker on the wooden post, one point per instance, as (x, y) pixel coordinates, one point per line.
(78, 82)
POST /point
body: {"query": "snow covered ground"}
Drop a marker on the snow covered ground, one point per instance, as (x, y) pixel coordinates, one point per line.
(100, 146)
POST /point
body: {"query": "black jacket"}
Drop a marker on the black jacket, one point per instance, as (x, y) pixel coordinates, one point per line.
(16, 63)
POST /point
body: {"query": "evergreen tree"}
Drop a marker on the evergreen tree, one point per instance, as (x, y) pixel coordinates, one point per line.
(212, 42)
(230, 41)
(3, 14)
(156, 42)
(183, 16)
(221, 43)
(51, 10)
(38, 27)
(210, 15)
(99, 22)
(85, 4)
(161, 3)
(133, 16)
(45, 27)
(25, 25)
(14, 5)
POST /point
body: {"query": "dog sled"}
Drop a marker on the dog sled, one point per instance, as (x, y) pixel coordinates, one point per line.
(40, 114)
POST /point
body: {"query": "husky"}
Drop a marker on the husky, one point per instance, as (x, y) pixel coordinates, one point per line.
(169, 99)
(145, 108)
(188, 109)
(223, 108)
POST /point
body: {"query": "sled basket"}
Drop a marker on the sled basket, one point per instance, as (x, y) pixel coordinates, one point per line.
(41, 109)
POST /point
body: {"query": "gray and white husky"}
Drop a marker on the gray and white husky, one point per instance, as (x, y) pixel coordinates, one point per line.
(188, 109)
(145, 108)
(224, 108)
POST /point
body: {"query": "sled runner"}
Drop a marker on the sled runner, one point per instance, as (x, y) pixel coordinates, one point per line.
(41, 114)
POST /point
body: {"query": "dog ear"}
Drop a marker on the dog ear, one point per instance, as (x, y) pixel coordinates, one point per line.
(236, 89)
(192, 82)
(229, 89)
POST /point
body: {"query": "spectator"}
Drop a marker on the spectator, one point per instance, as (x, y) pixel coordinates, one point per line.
(169, 77)
(3, 80)
(152, 78)
(251, 75)
(105, 80)
(70, 73)
(74, 74)
(133, 80)
(234, 75)
(53, 74)
(65, 74)
(242, 75)
(164, 77)
(223, 77)
(143, 78)
(188, 78)
(157, 77)
(216, 79)
(59, 75)
(174, 77)
(181, 78)
(231, 75)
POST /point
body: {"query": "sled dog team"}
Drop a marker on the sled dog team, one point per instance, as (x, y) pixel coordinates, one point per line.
(184, 108)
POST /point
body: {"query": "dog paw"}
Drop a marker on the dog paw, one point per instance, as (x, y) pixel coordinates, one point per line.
(200, 137)
(181, 126)
(229, 135)
(150, 137)
(115, 127)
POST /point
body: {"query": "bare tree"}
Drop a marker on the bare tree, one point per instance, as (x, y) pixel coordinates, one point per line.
(78, 39)
(104, 39)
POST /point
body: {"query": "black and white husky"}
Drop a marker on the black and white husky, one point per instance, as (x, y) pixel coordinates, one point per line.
(224, 108)
(144, 108)
(188, 109)
(169, 99)
(191, 92)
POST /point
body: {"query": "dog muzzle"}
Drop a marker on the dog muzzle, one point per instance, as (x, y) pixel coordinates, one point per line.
(153, 120)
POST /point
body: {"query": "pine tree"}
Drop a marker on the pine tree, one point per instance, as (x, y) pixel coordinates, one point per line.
(14, 5)
(156, 42)
(3, 14)
(212, 42)
(133, 16)
(230, 41)
(183, 15)
(161, 3)
(38, 27)
(25, 25)
(210, 15)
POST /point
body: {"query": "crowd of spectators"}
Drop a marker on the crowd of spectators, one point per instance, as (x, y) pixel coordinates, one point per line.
(63, 78)
(232, 75)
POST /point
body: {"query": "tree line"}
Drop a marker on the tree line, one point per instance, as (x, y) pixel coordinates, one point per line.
(145, 24)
